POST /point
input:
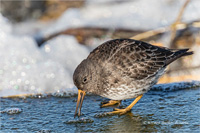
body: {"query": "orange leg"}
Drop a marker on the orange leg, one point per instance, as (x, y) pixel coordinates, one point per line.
(127, 109)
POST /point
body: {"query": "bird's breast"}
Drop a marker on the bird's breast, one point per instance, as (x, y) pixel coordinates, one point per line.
(124, 92)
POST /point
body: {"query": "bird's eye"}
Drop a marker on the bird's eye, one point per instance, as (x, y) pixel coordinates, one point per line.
(84, 80)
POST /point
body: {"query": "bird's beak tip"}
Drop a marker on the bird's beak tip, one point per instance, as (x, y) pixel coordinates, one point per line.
(81, 95)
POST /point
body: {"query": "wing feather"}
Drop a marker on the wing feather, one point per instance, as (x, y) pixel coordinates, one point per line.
(135, 59)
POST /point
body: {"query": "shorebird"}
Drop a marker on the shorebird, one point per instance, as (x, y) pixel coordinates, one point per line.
(122, 69)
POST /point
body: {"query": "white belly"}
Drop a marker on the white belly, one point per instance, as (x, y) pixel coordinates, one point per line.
(123, 92)
(128, 92)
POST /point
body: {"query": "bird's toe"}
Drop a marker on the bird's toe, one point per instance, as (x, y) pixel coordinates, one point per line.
(110, 103)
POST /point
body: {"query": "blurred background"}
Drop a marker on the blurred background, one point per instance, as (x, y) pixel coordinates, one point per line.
(42, 42)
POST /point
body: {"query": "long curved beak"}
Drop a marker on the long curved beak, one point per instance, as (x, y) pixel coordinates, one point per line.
(81, 95)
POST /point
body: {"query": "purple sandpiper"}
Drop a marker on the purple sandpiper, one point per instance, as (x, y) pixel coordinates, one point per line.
(122, 69)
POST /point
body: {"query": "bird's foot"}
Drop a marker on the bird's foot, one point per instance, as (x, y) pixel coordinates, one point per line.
(111, 103)
(127, 109)
(120, 111)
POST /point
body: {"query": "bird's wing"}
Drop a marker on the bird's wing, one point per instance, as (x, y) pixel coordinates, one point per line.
(107, 49)
(135, 59)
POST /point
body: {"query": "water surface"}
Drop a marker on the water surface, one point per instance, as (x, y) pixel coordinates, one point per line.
(157, 111)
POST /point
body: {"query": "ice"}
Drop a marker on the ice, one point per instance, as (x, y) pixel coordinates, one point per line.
(26, 69)
(12, 111)
(67, 51)
(5, 26)
(176, 86)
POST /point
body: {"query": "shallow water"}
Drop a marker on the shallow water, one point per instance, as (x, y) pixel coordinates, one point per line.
(157, 111)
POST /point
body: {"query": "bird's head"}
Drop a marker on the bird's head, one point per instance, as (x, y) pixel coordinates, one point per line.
(83, 80)
(82, 75)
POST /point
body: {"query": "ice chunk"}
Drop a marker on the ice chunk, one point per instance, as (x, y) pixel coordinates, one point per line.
(176, 86)
(12, 111)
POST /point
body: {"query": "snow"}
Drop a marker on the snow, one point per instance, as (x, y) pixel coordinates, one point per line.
(26, 69)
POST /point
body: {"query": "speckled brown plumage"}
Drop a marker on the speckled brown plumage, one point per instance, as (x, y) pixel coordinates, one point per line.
(124, 68)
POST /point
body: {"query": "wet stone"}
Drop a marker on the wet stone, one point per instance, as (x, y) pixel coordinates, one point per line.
(81, 120)
(12, 111)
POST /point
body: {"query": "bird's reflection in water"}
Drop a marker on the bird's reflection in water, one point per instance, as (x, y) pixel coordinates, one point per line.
(129, 123)
(126, 123)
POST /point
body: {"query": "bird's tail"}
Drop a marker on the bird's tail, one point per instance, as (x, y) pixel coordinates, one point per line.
(177, 54)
